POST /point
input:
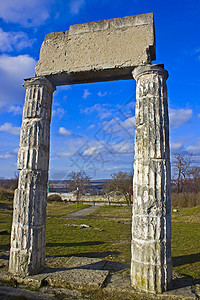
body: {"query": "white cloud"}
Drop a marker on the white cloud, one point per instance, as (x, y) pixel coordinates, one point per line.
(194, 148)
(198, 116)
(64, 131)
(90, 151)
(100, 94)
(58, 112)
(16, 110)
(6, 155)
(105, 114)
(102, 110)
(197, 52)
(129, 123)
(91, 126)
(179, 117)
(27, 13)
(93, 148)
(8, 127)
(86, 94)
(75, 6)
(176, 146)
(63, 154)
(9, 41)
(13, 69)
(123, 147)
(9, 154)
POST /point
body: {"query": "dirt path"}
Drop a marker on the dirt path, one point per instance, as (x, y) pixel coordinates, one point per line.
(82, 212)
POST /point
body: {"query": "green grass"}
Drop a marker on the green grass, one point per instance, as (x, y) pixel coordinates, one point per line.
(110, 234)
(186, 241)
(104, 239)
(58, 209)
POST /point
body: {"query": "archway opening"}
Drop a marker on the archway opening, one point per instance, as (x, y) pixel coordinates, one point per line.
(92, 130)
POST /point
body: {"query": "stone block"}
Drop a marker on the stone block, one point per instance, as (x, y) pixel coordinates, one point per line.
(149, 227)
(30, 207)
(28, 257)
(35, 133)
(98, 51)
(150, 277)
(85, 263)
(78, 278)
(37, 103)
(33, 159)
(150, 251)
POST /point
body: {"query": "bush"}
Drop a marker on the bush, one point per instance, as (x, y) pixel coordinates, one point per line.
(54, 197)
(9, 184)
(6, 195)
(185, 199)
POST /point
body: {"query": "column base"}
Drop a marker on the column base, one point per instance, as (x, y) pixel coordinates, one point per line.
(149, 270)
(27, 254)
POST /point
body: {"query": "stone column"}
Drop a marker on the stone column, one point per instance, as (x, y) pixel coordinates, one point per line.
(151, 267)
(28, 236)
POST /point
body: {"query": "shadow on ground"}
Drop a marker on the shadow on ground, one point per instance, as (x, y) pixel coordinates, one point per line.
(92, 243)
(112, 266)
(185, 259)
(179, 283)
(89, 254)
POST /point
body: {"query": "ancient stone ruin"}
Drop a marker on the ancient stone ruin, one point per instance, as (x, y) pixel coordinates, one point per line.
(114, 49)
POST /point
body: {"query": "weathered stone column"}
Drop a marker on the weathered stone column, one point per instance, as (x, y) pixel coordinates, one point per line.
(28, 237)
(151, 268)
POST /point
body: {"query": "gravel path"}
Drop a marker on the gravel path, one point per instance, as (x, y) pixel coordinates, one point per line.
(82, 212)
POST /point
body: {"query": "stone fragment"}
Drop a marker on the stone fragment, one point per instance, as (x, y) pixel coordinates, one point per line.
(78, 278)
(7, 292)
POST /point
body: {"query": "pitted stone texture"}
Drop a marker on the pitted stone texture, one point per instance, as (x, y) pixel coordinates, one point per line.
(151, 268)
(38, 99)
(34, 133)
(98, 51)
(78, 278)
(28, 236)
(35, 130)
(85, 263)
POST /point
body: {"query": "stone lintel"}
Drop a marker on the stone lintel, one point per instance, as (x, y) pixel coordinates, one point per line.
(98, 51)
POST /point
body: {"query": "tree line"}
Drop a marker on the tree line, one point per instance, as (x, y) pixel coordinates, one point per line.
(120, 182)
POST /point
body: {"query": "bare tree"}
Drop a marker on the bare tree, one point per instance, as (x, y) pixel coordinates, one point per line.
(108, 188)
(123, 182)
(194, 173)
(181, 167)
(78, 183)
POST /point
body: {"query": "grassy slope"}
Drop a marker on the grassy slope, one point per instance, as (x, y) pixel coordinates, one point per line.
(110, 234)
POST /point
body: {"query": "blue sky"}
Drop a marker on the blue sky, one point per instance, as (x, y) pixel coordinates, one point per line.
(93, 124)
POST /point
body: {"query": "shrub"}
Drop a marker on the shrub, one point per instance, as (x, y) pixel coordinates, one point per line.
(6, 195)
(54, 197)
(185, 199)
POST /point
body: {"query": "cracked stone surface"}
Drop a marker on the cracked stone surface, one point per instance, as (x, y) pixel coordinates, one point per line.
(98, 51)
(28, 235)
(151, 266)
(80, 276)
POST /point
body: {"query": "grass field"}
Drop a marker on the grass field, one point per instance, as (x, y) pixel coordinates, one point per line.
(110, 234)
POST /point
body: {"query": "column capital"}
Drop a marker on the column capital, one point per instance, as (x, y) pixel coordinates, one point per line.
(39, 81)
(149, 69)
